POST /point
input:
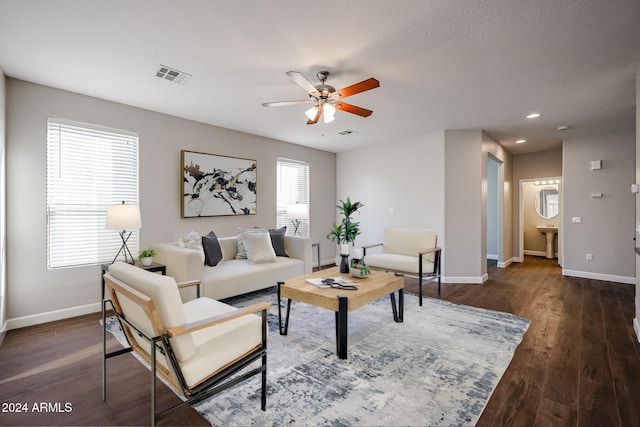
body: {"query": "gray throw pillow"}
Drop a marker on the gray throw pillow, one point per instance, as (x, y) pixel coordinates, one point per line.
(277, 240)
(212, 250)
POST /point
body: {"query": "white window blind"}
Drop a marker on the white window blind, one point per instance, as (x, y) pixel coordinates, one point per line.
(88, 168)
(293, 187)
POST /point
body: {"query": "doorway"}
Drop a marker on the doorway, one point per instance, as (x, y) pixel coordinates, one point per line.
(540, 208)
(495, 211)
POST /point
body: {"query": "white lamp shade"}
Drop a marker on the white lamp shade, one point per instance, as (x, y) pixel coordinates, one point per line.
(328, 119)
(328, 113)
(123, 217)
(298, 211)
(311, 113)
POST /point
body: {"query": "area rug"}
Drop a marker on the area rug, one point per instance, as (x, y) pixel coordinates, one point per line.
(437, 368)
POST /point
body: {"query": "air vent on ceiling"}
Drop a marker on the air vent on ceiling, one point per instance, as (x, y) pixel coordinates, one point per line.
(173, 75)
(347, 132)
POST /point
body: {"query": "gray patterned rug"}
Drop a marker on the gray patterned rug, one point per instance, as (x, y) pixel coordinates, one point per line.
(438, 368)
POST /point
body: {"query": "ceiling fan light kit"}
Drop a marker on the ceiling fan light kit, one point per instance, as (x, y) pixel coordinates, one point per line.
(325, 97)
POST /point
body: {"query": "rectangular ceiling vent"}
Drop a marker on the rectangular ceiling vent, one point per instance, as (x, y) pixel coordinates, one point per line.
(347, 132)
(173, 75)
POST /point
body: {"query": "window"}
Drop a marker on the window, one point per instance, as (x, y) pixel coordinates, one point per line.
(293, 187)
(88, 168)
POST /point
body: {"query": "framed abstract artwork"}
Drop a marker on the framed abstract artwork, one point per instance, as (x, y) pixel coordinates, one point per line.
(215, 185)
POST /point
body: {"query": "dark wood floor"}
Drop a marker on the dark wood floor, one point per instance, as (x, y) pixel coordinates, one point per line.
(578, 364)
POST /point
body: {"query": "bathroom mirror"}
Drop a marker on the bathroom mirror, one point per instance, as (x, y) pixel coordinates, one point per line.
(547, 202)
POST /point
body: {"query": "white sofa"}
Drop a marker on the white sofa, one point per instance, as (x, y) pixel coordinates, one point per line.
(232, 276)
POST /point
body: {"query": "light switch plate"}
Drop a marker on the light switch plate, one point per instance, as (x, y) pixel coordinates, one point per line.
(576, 220)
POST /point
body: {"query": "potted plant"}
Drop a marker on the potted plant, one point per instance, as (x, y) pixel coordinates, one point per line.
(145, 256)
(346, 232)
(358, 269)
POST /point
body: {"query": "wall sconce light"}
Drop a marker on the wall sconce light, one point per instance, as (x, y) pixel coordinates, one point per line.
(596, 165)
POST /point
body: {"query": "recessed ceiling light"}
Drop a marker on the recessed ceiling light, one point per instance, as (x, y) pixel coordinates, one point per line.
(521, 141)
(533, 115)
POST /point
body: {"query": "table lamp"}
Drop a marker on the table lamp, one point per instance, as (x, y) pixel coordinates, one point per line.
(296, 212)
(124, 217)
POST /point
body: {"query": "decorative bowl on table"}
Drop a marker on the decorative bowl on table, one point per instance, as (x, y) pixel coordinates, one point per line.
(360, 271)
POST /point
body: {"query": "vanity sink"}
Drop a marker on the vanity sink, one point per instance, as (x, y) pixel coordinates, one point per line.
(548, 229)
(551, 232)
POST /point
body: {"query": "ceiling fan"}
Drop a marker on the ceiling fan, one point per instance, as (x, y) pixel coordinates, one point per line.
(325, 98)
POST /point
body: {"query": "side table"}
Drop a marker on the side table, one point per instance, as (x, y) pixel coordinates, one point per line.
(153, 267)
(317, 245)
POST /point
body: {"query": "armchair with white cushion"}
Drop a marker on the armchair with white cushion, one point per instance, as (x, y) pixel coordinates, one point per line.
(407, 252)
(200, 346)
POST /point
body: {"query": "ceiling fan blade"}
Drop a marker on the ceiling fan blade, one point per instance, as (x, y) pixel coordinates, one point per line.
(283, 103)
(357, 88)
(303, 82)
(353, 109)
(316, 118)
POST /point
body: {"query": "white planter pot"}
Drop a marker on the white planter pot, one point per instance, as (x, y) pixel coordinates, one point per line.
(146, 261)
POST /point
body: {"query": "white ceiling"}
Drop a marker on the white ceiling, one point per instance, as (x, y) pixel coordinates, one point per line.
(442, 64)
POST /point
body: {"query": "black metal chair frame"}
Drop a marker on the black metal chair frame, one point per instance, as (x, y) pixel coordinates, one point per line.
(218, 382)
(435, 275)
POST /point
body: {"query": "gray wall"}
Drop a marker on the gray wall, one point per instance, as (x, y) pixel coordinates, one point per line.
(435, 181)
(35, 294)
(3, 216)
(400, 184)
(636, 321)
(607, 227)
(465, 252)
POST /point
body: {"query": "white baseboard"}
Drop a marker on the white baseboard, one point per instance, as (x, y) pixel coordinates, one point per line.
(51, 316)
(599, 276)
(518, 259)
(538, 253)
(636, 327)
(469, 280)
(534, 253)
(326, 262)
(505, 264)
(492, 257)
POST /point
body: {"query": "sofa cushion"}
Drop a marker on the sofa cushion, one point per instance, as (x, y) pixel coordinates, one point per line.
(406, 263)
(215, 346)
(405, 241)
(238, 276)
(258, 246)
(212, 250)
(166, 298)
(277, 240)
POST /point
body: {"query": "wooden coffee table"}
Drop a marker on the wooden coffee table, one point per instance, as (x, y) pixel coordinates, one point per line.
(341, 301)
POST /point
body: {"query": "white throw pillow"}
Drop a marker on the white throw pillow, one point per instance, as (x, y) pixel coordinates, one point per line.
(258, 246)
(190, 240)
